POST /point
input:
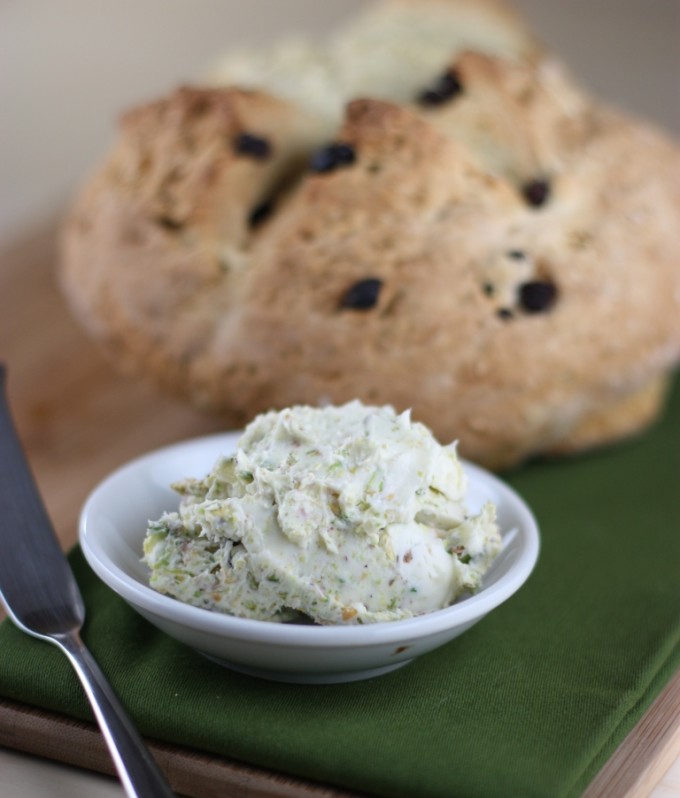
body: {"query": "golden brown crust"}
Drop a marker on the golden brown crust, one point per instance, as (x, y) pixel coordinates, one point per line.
(503, 321)
(620, 419)
(155, 237)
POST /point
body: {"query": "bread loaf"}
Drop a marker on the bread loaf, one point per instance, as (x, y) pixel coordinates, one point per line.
(426, 212)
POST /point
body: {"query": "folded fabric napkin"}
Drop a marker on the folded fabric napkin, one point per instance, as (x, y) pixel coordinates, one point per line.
(530, 702)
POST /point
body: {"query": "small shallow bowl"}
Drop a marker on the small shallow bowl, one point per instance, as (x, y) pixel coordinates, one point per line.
(113, 527)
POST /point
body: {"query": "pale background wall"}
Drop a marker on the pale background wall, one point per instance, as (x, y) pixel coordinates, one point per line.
(68, 66)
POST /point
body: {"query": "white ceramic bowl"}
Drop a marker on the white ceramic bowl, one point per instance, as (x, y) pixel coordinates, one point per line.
(112, 530)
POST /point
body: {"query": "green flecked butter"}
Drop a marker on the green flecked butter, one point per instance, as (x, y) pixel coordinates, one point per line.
(347, 514)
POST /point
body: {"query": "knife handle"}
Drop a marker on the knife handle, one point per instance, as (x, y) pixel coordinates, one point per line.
(137, 770)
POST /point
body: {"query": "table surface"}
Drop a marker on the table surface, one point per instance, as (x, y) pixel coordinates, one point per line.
(46, 369)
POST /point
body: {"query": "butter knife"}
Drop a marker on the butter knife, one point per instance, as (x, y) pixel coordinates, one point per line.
(42, 598)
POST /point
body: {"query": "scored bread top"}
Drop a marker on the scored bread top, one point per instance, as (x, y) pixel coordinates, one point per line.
(486, 244)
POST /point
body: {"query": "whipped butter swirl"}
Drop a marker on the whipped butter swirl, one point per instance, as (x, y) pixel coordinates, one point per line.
(347, 514)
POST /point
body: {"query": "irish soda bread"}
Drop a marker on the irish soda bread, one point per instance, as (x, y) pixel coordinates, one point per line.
(424, 212)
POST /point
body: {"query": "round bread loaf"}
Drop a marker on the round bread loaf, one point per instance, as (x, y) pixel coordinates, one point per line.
(473, 237)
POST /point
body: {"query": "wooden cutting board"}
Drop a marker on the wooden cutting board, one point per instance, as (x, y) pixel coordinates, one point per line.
(78, 420)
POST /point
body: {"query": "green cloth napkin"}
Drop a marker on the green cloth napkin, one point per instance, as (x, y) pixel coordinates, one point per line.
(531, 701)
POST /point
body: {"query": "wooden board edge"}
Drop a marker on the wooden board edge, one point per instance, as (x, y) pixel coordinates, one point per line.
(191, 773)
(647, 752)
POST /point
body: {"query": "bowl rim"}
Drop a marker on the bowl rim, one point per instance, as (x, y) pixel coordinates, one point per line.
(202, 620)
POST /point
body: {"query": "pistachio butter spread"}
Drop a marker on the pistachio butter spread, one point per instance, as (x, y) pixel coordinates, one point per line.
(347, 514)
